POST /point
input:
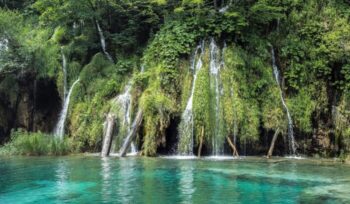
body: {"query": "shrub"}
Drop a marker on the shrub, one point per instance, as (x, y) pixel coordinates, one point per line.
(35, 144)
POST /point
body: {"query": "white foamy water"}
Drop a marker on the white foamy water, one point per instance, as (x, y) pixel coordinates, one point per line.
(59, 129)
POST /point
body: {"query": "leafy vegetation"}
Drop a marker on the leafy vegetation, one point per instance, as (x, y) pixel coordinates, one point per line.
(35, 144)
(311, 41)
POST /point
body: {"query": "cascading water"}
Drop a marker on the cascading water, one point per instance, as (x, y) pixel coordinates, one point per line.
(3, 48)
(224, 9)
(64, 69)
(4, 44)
(185, 146)
(59, 129)
(103, 42)
(292, 147)
(133, 149)
(186, 128)
(124, 106)
(215, 66)
(124, 100)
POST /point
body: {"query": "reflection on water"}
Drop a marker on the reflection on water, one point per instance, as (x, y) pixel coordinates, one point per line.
(162, 180)
(106, 178)
(186, 184)
(126, 178)
(61, 178)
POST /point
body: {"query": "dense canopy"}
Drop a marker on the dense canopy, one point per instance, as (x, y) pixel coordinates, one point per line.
(150, 47)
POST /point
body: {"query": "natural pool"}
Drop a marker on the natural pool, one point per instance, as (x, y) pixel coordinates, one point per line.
(89, 179)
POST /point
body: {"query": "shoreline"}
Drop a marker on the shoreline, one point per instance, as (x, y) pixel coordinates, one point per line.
(223, 158)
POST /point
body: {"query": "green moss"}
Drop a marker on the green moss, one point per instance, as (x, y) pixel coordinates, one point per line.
(231, 101)
(173, 40)
(60, 35)
(342, 120)
(241, 114)
(273, 114)
(157, 108)
(249, 129)
(302, 108)
(201, 102)
(187, 81)
(86, 123)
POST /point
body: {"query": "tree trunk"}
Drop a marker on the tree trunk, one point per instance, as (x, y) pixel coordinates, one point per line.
(272, 146)
(201, 143)
(233, 146)
(107, 139)
(132, 133)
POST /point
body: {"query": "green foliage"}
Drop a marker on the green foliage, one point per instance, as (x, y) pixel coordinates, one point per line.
(157, 109)
(264, 11)
(174, 40)
(13, 31)
(99, 82)
(302, 107)
(318, 46)
(192, 1)
(60, 35)
(96, 73)
(250, 124)
(202, 102)
(240, 110)
(86, 124)
(231, 101)
(35, 144)
(342, 118)
(273, 114)
(187, 80)
(311, 40)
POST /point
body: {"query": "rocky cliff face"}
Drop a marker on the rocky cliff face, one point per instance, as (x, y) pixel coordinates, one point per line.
(31, 104)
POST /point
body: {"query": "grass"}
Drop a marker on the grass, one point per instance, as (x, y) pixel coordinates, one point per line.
(35, 144)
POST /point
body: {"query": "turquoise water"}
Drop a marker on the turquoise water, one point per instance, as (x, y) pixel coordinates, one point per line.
(88, 179)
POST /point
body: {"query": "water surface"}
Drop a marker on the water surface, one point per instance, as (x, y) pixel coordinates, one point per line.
(88, 179)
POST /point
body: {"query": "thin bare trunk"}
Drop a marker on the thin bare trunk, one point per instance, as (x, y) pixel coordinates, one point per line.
(233, 146)
(131, 135)
(272, 146)
(107, 140)
(201, 143)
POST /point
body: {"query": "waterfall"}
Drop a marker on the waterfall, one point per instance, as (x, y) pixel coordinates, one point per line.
(224, 9)
(186, 130)
(124, 103)
(103, 42)
(4, 45)
(133, 149)
(3, 49)
(125, 100)
(186, 127)
(59, 129)
(292, 147)
(64, 69)
(215, 85)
